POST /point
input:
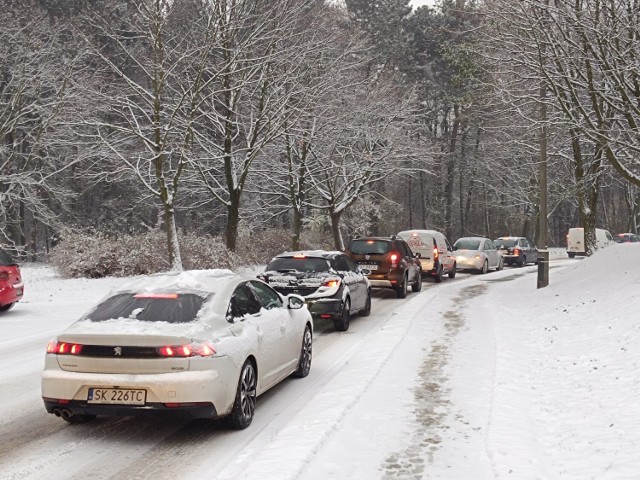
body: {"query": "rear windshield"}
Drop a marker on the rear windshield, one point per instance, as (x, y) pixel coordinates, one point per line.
(171, 308)
(369, 247)
(298, 264)
(466, 244)
(505, 242)
(5, 259)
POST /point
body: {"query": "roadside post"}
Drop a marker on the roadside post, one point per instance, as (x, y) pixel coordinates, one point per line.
(543, 268)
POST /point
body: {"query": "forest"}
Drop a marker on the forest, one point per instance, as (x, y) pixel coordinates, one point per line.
(175, 129)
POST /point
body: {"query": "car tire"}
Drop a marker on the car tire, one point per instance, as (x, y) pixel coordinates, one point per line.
(500, 264)
(366, 311)
(342, 323)
(571, 254)
(485, 267)
(522, 262)
(454, 270)
(304, 363)
(6, 307)
(401, 291)
(417, 286)
(439, 275)
(244, 405)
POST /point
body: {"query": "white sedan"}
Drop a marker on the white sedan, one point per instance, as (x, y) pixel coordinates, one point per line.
(477, 253)
(203, 343)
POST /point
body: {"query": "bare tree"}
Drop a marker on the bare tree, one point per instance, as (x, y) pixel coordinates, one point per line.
(153, 56)
(34, 88)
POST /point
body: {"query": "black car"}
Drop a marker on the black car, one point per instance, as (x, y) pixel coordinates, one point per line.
(517, 250)
(333, 286)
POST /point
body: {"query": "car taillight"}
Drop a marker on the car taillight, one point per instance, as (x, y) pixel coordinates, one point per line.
(332, 282)
(436, 253)
(394, 259)
(516, 251)
(64, 348)
(190, 350)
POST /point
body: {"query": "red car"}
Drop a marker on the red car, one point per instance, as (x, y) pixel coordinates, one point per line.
(11, 286)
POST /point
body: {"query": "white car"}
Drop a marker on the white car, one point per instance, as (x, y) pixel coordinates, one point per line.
(202, 343)
(477, 253)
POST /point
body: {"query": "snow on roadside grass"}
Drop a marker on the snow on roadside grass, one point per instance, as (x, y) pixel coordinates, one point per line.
(568, 378)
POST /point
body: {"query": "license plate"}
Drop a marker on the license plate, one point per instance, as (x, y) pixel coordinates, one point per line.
(117, 396)
(369, 266)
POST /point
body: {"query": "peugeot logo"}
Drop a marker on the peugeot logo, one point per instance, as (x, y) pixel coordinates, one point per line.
(367, 257)
(117, 351)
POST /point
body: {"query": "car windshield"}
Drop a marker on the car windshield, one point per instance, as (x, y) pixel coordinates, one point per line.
(369, 247)
(505, 242)
(466, 244)
(298, 264)
(5, 259)
(149, 307)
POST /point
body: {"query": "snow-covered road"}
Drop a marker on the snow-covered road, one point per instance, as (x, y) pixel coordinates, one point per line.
(408, 392)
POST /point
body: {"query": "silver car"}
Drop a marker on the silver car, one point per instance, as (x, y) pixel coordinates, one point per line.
(478, 254)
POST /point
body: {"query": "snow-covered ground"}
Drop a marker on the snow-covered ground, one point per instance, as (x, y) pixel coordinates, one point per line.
(480, 377)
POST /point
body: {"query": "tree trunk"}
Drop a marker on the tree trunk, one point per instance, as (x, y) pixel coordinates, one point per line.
(335, 230)
(233, 219)
(451, 165)
(173, 246)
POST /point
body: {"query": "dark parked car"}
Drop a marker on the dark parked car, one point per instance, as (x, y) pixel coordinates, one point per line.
(11, 286)
(390, 261)
(626, 238)
(517, 250)
(333, 286)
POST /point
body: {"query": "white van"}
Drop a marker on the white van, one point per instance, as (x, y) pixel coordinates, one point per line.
(436, 257)
(576, 243)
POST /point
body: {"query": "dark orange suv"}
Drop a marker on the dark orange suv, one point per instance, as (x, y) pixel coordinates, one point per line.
(390, 261)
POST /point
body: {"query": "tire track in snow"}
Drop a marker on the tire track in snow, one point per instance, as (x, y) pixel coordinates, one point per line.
(432, 395)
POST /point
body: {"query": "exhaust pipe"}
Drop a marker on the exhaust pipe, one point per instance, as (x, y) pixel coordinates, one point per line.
(63, 413)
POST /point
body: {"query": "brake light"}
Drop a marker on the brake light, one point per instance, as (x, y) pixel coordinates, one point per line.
(190, 350)
(64, 348)
(436, 253)
(299, 256)
(516, 251)
(394, 259)
(333, 282)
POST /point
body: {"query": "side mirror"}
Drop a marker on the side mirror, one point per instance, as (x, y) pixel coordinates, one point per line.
(365, 271)
(418, 255)
(295, 302)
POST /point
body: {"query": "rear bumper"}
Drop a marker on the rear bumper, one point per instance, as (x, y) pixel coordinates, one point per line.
(469, 263)
(378, 280)
(197, 393)
(325, 306)
(75, 407)
(11, 293)
(512, 258)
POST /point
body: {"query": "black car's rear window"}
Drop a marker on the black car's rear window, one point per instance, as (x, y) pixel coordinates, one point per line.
(172, 308)
(505, 242)
(369, 247)
(299, 264)
(5, 259)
